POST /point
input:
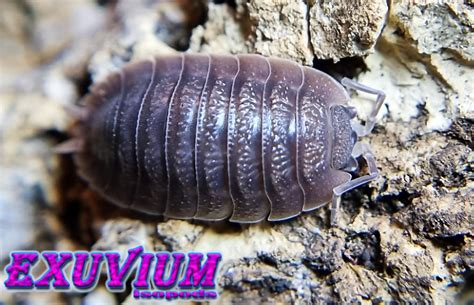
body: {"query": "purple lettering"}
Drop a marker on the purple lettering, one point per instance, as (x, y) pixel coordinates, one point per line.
(171, 295)
(160, 269)
(80, 265)
(141, 280)
(56, 262)
(118, 276)
(211, 295)
(158, 294)
(197, 275)
(20, 265)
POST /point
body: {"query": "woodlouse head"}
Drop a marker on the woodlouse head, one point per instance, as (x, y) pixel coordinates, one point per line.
(343, 137)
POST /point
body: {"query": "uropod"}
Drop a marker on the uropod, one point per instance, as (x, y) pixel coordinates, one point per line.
(212, 137)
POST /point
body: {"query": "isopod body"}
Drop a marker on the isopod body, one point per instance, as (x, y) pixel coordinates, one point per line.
(217, 136)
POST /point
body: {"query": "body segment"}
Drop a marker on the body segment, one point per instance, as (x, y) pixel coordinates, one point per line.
(217, 136)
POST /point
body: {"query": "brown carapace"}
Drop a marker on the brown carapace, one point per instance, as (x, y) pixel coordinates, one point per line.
(212, 137)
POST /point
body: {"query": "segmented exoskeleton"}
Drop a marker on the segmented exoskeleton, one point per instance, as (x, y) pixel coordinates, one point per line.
(217, 136)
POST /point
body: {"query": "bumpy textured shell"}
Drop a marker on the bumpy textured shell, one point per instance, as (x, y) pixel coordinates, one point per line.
(213, 136)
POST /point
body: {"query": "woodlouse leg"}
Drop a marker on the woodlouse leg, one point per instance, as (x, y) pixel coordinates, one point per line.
(70, 146)
(369, 125)
(361, 149)
(352, 165)
(76, 112)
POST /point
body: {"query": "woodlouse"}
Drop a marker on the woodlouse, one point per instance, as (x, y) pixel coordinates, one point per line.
(217, 136)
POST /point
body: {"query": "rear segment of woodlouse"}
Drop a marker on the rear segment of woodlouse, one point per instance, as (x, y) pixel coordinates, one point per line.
(213, 136)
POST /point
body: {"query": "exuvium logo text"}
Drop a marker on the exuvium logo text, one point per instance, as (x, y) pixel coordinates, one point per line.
(158, 276)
